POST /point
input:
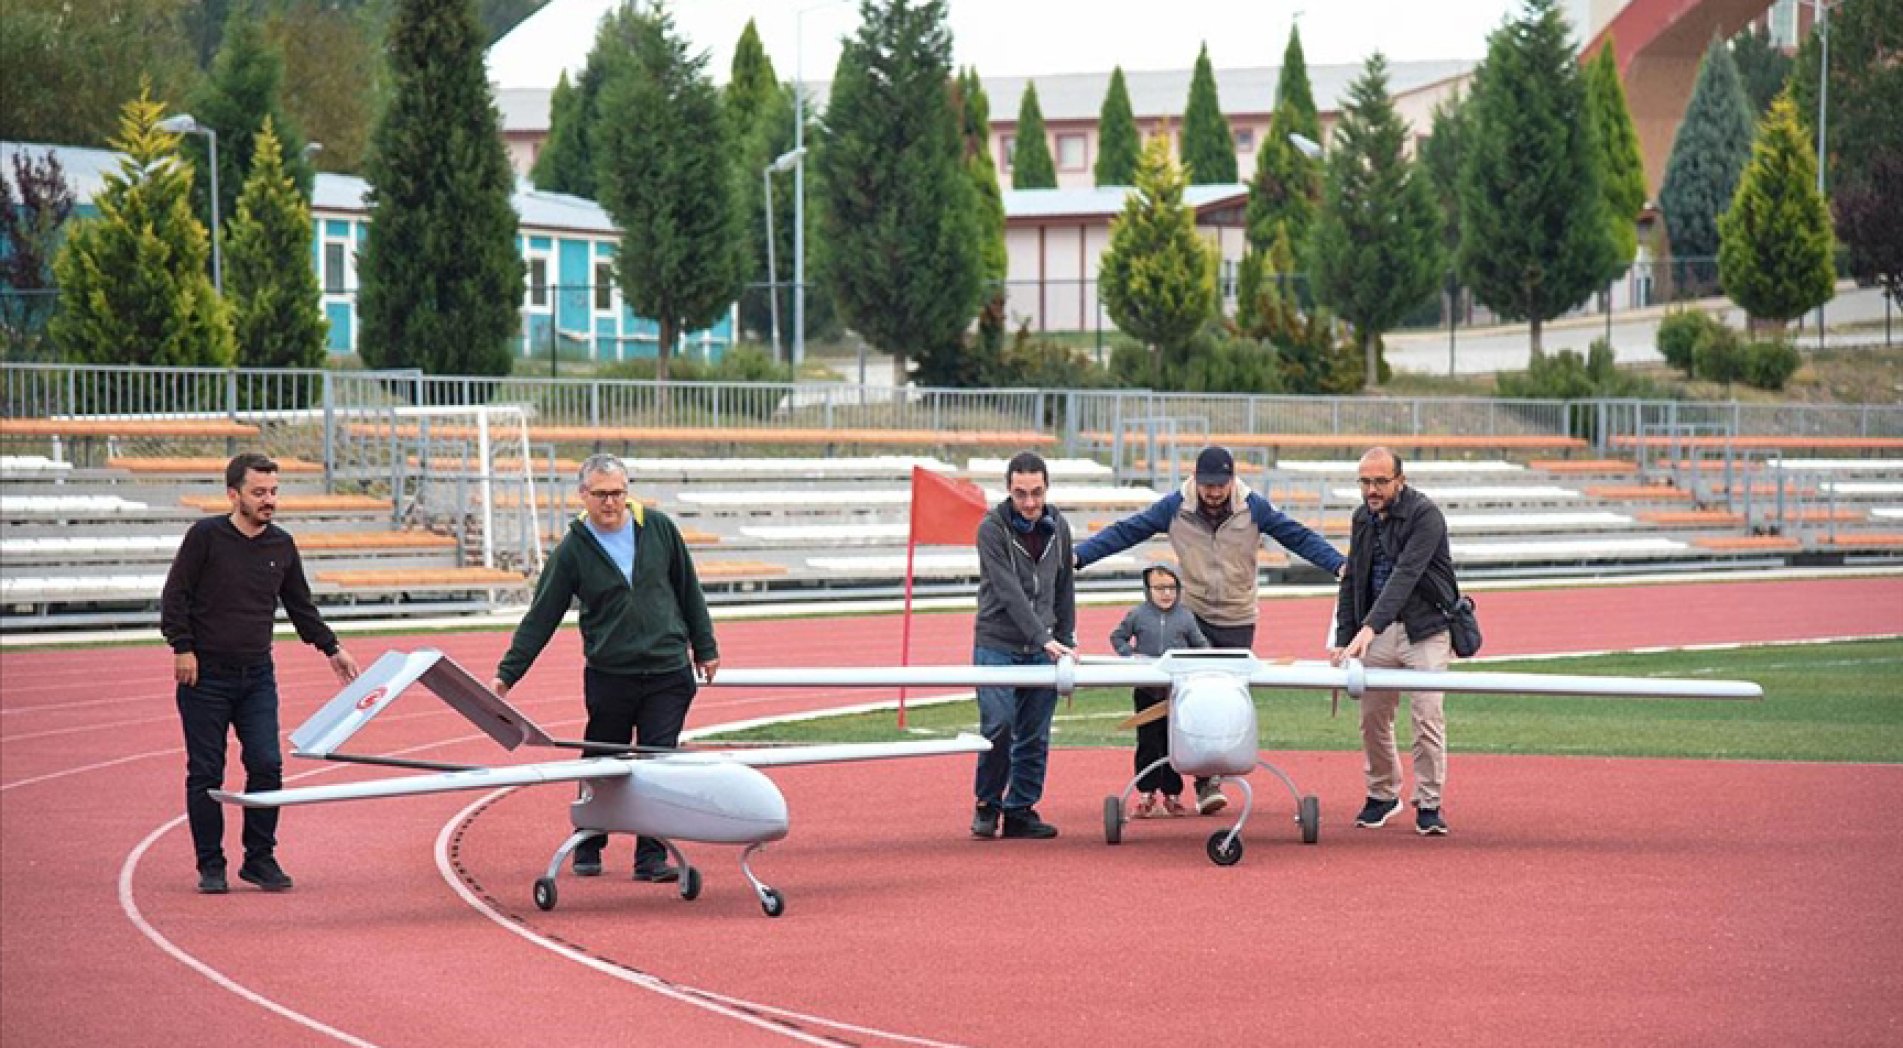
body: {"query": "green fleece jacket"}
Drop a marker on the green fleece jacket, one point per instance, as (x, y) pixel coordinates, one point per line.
(644, 627)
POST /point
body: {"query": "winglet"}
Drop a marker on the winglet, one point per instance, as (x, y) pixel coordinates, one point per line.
(379, 685)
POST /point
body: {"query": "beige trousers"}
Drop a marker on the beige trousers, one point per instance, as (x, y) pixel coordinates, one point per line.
(1392, 650)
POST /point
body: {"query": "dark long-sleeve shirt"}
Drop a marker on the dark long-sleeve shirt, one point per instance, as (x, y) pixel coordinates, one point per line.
(222, 593)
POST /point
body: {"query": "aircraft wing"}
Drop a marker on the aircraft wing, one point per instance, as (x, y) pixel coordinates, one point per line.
(837, 753)
(412, 785)
(1065, 676)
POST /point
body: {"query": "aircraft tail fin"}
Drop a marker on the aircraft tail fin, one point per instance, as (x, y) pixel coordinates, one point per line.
(362, 699)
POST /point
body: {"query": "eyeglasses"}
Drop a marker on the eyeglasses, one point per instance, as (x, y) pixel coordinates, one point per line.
(608, 496)
(1374, 482)
(1163, 589)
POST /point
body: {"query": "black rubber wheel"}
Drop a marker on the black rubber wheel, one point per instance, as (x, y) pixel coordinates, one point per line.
(1112, 820)
(1221, 855)
(690, 884)
(772, 902)
(1309, 815)
(545, 894)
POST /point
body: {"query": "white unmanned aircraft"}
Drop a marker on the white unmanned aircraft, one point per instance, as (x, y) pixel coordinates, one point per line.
(1211, 712)
(708, 796)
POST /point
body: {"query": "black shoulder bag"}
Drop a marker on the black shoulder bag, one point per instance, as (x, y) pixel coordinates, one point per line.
(1463, 625)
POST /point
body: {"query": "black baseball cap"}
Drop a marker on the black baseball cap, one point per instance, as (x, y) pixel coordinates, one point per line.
(1215, 466)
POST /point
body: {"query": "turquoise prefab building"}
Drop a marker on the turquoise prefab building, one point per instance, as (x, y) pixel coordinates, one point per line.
(571, 307)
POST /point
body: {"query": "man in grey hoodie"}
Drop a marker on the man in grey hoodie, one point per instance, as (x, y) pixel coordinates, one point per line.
(1027, 616)
(1161, 623)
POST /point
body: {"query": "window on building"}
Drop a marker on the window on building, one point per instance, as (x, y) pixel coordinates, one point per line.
(1009, 143)
(1228, 278)
(604, 287)
(335, 281)
(1071, 150)
(1783, 19)
(1245, 139)
(538, 281)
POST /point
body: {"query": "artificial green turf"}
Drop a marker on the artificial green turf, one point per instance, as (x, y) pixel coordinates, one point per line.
(1841, 701)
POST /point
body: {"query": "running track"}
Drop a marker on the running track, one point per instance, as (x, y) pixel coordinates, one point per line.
(1578, 901)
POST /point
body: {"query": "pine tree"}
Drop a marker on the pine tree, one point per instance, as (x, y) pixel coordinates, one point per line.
(244, 91)
(1377, 240)
(335, 78)
(1031, 166)
(750, 100)
(1762, 69)
(441, 279)
(665, 182)
(1284, 195)
(751, 84)
(133, 282)
(1209, 154)
(1118, 144)
(899, 214)
(1774, 251)
(1621, 170)
(1533, 238)
(1708, 154)
(34, 206)
(1440, 159)
(961, 362)
(273, 287)
(1295, 94)
(562, 166)
(1158, 279)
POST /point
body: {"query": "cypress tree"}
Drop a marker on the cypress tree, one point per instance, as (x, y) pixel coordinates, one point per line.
(900, 222)
(1294, 93)
(1440, 159)
(1158, 278)
(1533, 238)
(1031, 166)
(750, 100)
(133, 282)
(751, 83)
(1708, 154)
(441, 277)
(1377, 240)
(34, 206)
(562, 166)
(242, 93)
(1118, 143)
(274, 299)
(1209, 154)
(1774, 251)
(1762, 69)
(665, 180)
(956, 363)
(1621, 170)
(1284, 194)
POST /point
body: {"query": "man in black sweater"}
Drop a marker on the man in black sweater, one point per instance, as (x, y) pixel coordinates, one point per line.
(216, 613)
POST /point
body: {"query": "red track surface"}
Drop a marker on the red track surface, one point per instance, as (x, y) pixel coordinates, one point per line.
(1578, 900)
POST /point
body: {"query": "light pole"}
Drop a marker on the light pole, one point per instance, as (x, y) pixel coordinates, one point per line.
(183, 124)
(778, 166)
(799, 181)
(1823, 94)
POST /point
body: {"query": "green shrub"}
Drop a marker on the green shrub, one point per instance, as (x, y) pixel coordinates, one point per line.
(1215, 360)
(1769, 364)
(1678, 336)
(741, 364)
(1718, 355)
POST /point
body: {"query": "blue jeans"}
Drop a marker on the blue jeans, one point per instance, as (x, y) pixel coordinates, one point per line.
(1017, 721)
(223, 699)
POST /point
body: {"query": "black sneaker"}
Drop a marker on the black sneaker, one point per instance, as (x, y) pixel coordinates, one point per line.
(984, 822)
(657, 873)
(1375, 814)
(587, 863)
(212, 882)
(1025, 825)
(266, 874)
(1210, 798)
(1428, 823)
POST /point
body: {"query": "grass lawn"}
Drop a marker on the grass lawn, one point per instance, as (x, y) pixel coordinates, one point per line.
(1822, 702)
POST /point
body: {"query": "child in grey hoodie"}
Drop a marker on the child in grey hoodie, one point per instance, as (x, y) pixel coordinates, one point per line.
(1157, 625)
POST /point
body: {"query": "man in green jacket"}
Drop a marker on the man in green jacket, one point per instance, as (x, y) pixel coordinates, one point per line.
(645, 631)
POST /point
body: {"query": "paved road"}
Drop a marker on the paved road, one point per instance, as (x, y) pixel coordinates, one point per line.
(1634, 337)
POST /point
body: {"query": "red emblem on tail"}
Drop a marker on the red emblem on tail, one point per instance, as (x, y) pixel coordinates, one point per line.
(376, 695)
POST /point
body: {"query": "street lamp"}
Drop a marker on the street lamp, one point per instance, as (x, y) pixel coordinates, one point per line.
(1305, 145)
(183, 124)
(1823, 94)
(780, 165)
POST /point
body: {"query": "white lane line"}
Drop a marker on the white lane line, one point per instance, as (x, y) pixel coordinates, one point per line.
(219, 978)
(4, 787)
(720, 1004)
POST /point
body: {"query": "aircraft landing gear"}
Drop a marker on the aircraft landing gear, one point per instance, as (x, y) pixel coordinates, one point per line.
(1308, 815)
(545, 893)
(1225, 847)
(771, 901)
(1113, 820)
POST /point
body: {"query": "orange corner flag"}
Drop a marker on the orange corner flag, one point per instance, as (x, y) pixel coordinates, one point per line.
(945, 512)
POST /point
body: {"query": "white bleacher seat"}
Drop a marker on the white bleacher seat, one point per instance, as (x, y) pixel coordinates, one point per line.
(1417, 468)
(67, 505)
(31, 467)
(1485, 522)
(784, 498)
(1839, 465)
(1059, 468)
(1565, 548)
(1480, 493)
(1090, 496)
(98, 587)
(856, 534)
(1864, 487)
(1888, 512)
(869, 467)
(964, 563)
(80, 545)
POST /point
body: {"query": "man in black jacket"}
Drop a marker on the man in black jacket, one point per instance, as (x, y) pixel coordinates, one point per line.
(216, 613)
(1388, 614)
(645, 631)
(1027, 616)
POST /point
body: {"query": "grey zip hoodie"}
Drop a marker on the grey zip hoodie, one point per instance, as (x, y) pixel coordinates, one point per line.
(1149, 630)
(1023, 605)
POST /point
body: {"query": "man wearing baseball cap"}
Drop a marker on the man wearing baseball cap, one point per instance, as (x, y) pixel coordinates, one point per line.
(1215, 524)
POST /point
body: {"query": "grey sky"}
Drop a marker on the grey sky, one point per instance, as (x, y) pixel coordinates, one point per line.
(1031, 37)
